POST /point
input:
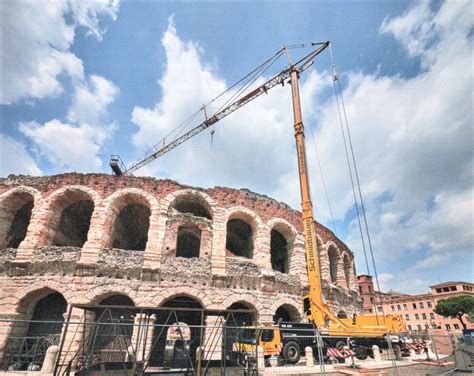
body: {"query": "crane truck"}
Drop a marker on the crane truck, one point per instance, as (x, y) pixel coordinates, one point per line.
(286, 339)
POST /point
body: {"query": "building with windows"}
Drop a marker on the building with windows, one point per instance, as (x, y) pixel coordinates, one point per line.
(417, 310)
(132, 241)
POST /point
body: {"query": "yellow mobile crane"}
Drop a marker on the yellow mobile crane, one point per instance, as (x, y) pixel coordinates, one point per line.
(357, 328)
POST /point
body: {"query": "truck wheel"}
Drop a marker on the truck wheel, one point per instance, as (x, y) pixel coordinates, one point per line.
(360, 353)
(291, 352)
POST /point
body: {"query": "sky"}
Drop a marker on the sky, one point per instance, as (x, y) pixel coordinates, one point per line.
(83, 80)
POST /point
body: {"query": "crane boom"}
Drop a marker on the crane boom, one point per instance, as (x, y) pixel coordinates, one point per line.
(278, 79)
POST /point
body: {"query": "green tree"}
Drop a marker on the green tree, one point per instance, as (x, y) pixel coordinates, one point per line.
(456, 307)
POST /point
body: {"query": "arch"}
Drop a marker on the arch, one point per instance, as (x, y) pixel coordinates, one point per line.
(192, 318)
(182, 195)
(130, 212)
(188, 243)
(286, 312)
(46, 311)
(16, 207)
(282, 238)
(333, 256)
(342, 314)
(70, 211)
(197, 294)
(190, 202)
(247, 299)
(29, 296)
(291, 306)
(242, 318)
(347, 269)
(241, 230)
(99, 293)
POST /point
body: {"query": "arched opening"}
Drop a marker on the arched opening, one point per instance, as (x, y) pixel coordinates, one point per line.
(347, 271)
(171, 350)
(286, 312)
(342, 315)
(131, 226)
(189, 241)
(237, 319)
(192, 204)
(333, 261)
(111, 335)
(74, 224)
(278, 251)
(43, 331)
(239, 238)
(15, 219)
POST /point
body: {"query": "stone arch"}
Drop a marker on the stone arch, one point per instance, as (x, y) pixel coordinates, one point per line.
(129, 215)
(282, 238)
(69, 211)
(333, 258)
(16, 207)
(342, 314)
(242, 318)
(198, 294)
(347, 265)
(294, 313)
(28, 298)
(99, 293)
(242, 225)
(246, 299)
(189, 201)
(46, 313)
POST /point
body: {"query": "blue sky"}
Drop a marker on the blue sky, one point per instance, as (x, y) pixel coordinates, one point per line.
(83, 80)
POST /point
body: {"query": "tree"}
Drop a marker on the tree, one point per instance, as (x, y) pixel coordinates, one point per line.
(455, 307)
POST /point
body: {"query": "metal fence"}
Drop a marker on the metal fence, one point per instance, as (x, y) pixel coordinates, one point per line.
(131, 341)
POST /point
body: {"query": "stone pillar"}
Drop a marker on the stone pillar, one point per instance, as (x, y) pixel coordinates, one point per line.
(376, 352)
(36, 233)
(81, 323)
(341, 275)
(142, 336)
(218, 242)
(398, 353)
(10, 329)
(413, 355)
(50, 359)
(260, 360)
(213, 338)
(297, 258)
(90, 250)
(156, 235)
(309, 356)
(261, 252)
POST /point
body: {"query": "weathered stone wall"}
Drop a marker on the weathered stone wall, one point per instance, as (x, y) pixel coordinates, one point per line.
(216, 279)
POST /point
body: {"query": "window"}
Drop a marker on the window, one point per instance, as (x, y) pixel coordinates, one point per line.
(422, 305)
(438, 291)
(448, 327)
(409, 327)
(379, 309)
(404, 307)
(360, 289)
(371, 299)
(418, 327)
(432, 317)
(370, 289)
(456, 327)
(398, 307)
(429, 305)
(392, 307)
(417, 317)
(413, 305)
(433, 325)
(445, 289)
(423, 315)
(407, 316)
(453, 288)
(267, 335)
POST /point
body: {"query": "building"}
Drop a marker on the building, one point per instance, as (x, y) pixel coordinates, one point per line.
(133, 241)
(417, 310)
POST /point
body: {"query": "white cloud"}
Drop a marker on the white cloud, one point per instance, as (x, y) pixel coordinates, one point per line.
(384, 279)
(36, 41)
(15, 158)
(68, 146)
(91, 99)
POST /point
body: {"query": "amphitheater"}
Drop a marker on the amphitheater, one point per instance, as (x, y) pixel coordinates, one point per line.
(95, 239)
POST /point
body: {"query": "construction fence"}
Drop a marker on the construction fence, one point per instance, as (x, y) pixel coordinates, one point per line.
(130, 341)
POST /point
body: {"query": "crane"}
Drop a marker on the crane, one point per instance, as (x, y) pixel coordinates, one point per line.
(320, 314)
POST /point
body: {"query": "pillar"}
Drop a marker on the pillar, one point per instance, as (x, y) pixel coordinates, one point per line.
(212, 346)
(376, 352)
(218, 255)
(50, 359)
(309, 356)
(142, 336)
